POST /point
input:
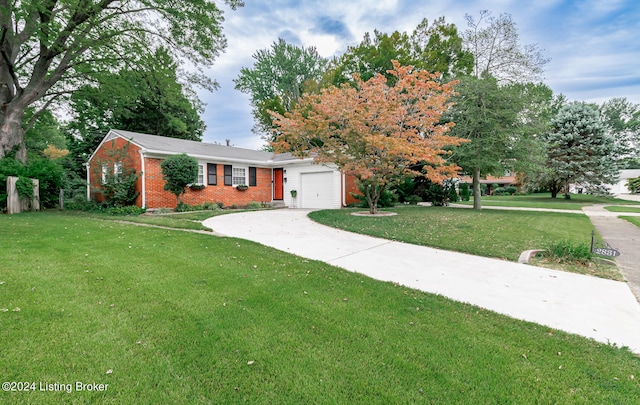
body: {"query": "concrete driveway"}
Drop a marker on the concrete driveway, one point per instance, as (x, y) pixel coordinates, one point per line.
(604, 310)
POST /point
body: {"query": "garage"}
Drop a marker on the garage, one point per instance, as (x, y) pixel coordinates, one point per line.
(317, 190)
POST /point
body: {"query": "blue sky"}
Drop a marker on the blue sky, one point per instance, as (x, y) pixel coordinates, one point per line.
(594, 45)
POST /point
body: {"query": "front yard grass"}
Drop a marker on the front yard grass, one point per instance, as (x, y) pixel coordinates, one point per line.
(633, 220)
(490, 233)
(623, 208)
(544, 200)
(182, 220)
(165, 316)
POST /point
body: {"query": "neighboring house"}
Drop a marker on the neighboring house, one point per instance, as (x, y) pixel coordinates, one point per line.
(270, 177)
(621, 186)
(509, 179)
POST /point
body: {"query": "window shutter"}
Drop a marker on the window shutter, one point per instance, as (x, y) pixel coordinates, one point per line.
(212, 179)
(227, 175)
(252, 176)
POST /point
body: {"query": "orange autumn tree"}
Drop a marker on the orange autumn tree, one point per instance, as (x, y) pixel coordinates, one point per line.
(375, 131)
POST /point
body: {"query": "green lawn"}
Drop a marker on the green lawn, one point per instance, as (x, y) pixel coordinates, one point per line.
(491, 233)
(183, 220)
(544, 200)
(166, 316)
(623, 208)
(633, 220)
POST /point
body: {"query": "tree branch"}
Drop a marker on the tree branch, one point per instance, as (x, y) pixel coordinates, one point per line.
(44, 107)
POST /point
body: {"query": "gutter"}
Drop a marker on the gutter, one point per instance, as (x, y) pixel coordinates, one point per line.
(143, 192)
(344, 190)
(87, 166)
(220, 159)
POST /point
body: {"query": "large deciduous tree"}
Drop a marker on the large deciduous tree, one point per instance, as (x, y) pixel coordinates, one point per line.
(495, 117)
(48, 48)
(580, 151)
(436, 48)
(149, 100)
(502, 123)
(374, 131)
(497, 52)
(622, 120)
(277, 79)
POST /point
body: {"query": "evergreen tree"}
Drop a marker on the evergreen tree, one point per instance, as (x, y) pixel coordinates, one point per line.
(579, 149)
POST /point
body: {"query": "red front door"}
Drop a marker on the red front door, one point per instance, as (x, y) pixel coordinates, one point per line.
(277, 184)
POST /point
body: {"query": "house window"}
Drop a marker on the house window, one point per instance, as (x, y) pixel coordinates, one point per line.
(236, 175)
(239, 176)
(105, 171)
(252, 177)
(200, 174)
(212, 172)
(117, 171)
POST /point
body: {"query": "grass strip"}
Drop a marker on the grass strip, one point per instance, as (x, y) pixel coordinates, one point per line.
(633, 220)
(622, 208)
(183, 220)
(544, 200)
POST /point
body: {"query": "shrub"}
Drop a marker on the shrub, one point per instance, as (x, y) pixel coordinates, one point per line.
(442, 194)
(254, 205)
(24, 187)
(499, 191)
(564, 251)
(464, 192)
(405, 189)
(634, 185)
(211, 206)
(388, 198)
(178, 171)
(184, 207)
(75, 191)
(413, 199)
(119, 190)
(511, 190)
(125, 210)
(50, 176)
(453, 195)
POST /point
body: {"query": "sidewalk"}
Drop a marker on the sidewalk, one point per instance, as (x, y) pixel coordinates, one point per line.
(618, 233)
(604, 310)
(623, 236)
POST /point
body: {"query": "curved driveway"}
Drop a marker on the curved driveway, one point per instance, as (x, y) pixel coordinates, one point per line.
(604, 310)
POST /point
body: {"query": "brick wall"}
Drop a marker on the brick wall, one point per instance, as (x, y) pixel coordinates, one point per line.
(115, 150)
(351, 186)
(157, 197)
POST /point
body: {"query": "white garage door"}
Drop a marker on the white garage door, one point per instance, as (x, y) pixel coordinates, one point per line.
(317, 190)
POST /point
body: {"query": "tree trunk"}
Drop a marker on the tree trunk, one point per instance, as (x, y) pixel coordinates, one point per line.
(477, 197)
(372, 198)
(567, 195)
(12, 133)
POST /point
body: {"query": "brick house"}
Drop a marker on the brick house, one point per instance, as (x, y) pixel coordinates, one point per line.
(270, 177)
